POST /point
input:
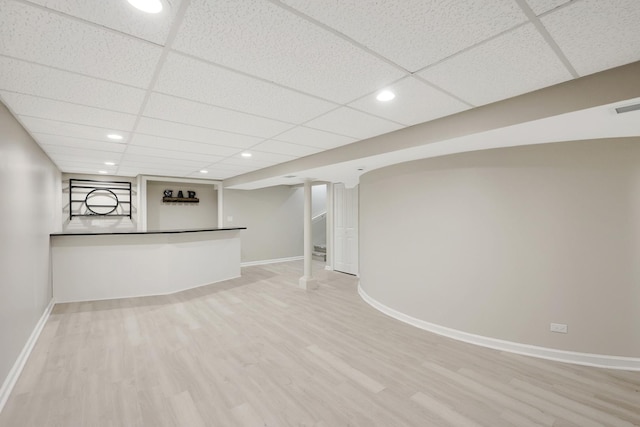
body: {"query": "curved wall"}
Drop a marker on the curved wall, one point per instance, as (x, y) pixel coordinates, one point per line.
(500, 243)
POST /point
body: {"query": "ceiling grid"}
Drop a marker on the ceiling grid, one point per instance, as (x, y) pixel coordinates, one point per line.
(194, 86)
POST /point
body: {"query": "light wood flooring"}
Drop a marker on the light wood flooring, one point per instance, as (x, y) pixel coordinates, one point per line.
(258, 351)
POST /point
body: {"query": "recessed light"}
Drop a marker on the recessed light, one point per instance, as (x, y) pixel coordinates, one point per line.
(115, 137)
(109, 163)
(149, 6)
(246, 154)
(102, 172)
(385, 95)
(204, 171)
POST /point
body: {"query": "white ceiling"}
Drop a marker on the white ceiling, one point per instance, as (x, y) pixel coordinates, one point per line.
(196, 85)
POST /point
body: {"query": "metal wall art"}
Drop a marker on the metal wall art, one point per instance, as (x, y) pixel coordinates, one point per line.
(191, 197)
(88, 197)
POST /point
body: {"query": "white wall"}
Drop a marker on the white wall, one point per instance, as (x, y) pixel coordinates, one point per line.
(29, 211)
(176, 216)
(274, 220)
(318, 206)
(503, 242)
(318, 199)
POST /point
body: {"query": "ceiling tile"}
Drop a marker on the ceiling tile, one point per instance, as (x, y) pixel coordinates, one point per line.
(32, 79)
(315, 138)
(259, 158)
(213, 175)
(415, 33)
(181, 145)
(119, 15)
(595, 35)
(197, 114)
(52, 127)
(159, 171)
(93, 166)
(150, 126)
(514, 63)
(415, 102)
(189, 78)
(265, 40)
(28, 105)
(30, 33)
(143, 152)
(289, 148)
(80, 154)
(232, 165)
(177, 165)
(541, 6)
(86, 144)
(347, 121)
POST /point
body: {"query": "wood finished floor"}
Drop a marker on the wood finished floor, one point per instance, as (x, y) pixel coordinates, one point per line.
(258, 351)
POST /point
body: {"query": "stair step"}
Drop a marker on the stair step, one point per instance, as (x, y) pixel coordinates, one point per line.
(319, 256)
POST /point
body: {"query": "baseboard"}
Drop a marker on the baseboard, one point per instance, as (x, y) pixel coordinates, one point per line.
(17, 368)
(270, 261)
(585, 359)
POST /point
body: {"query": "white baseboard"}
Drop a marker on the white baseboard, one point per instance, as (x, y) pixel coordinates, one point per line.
(270, 261)
(586, 359)
(16, 370)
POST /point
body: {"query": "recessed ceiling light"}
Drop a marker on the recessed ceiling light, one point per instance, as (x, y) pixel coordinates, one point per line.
(246, 154)
(385, 95)
(149, 6)
(204, 171)
(115, 137)
(109, 163)
(102, 172)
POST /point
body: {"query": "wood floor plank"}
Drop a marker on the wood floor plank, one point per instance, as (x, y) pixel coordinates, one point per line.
(259, 351)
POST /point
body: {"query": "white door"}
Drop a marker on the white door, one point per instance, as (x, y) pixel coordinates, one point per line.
(346, 229)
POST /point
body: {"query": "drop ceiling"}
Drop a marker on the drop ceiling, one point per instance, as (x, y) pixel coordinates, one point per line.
(193, 87)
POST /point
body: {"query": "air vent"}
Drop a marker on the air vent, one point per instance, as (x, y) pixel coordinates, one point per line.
(628, 108)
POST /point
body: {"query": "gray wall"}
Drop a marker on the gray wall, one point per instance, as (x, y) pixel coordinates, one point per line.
(175, 216)
(29, 211)
(273, 217)
(502, 242)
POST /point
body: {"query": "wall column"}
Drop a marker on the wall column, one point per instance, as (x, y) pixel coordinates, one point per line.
(220, 205)
(307, 281)
(330, 230)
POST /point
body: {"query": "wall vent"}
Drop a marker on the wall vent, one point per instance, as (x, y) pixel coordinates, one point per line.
(628, 108)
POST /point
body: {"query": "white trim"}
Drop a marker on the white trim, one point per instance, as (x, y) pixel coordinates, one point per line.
(18, 366)
(270, 261)
(586, 359)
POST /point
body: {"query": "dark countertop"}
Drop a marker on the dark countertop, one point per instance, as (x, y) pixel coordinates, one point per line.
(109, 233)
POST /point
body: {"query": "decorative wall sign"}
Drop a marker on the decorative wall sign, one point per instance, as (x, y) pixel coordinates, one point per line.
(168, 197)
(99, 198)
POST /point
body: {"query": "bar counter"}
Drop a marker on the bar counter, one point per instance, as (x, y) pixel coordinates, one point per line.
(89, 266)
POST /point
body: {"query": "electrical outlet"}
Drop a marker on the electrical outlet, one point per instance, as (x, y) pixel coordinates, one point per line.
(558, 327)
(229, 218)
